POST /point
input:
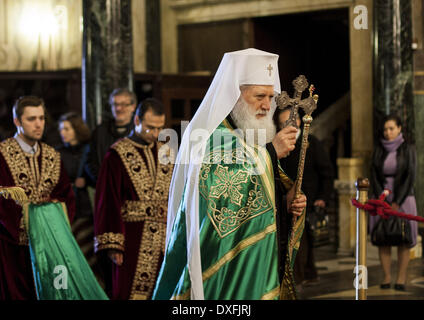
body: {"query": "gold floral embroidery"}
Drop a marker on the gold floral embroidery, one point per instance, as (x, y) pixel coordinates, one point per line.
(26, 176)
(227, 219)
(184, 296)
(109, 240)
(228, 185)
(242, 245)
(148, 185)
(152, 245)
(37, 185)
(273, 294)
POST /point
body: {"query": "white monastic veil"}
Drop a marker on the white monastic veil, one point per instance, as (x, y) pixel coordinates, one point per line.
(250, 66)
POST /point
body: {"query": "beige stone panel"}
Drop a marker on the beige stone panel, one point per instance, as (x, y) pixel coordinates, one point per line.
(169, 38)
(361, 65)
(138, 8)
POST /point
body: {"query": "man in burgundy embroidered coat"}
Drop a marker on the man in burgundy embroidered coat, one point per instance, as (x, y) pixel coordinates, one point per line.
(37, 168)
(131, 204)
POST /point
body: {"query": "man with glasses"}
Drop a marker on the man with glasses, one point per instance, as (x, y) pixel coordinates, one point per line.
(123, 103)
(131, 205)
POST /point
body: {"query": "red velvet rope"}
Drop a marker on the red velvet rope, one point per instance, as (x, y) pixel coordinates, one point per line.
(383, 209)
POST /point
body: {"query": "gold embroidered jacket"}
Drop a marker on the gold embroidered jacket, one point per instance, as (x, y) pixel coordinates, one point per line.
(130, 214)
(41, 175)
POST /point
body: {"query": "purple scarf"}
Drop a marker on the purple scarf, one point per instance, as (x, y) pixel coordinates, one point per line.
(394, 144)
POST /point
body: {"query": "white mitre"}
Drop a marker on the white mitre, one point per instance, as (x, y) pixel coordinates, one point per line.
(244, 67)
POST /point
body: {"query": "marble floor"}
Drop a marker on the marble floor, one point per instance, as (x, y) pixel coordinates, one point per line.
(336, 278)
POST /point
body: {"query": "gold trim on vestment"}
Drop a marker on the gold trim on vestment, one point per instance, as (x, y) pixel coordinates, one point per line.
(139, 145)
(152, 242)
(109, 240)
(272, 294)
(242, 245)
(287, 290)
(184, 296)
(149, 155)
(26, 177)
(38, 184)
(254, 153)
(300, 221)
(286, 181)
(147, 186)
(260, 199)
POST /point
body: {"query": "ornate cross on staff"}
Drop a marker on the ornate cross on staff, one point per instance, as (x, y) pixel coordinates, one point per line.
(308, 105)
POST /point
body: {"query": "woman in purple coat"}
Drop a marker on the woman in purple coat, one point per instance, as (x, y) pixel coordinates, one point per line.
(393, 168)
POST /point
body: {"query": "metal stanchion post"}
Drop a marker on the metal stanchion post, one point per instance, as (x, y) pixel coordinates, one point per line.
(361, 280)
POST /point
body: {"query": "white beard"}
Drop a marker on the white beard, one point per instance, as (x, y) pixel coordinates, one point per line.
(298, 133)
(246, 121)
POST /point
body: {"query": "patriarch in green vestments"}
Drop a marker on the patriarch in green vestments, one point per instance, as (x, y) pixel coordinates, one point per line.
(230, 204)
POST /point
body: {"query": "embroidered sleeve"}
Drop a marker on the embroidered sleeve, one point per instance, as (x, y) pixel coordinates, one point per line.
(109, 240)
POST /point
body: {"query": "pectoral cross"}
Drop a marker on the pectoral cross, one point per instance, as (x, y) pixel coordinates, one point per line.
(308, 104)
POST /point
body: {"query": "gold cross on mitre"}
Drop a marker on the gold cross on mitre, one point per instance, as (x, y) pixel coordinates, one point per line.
(308, 104)
(270, 68)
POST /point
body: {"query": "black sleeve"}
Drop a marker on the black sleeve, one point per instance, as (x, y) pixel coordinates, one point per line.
(325, 171)
(273, 155)
(283, 220)
(408, 181)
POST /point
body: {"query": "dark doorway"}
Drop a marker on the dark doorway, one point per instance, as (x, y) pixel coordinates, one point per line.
(315, 44)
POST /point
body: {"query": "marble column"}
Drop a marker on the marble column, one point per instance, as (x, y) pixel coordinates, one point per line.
(419, 140)
(107, 61)
(361, 88)
(393, 64)
(153, 39)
